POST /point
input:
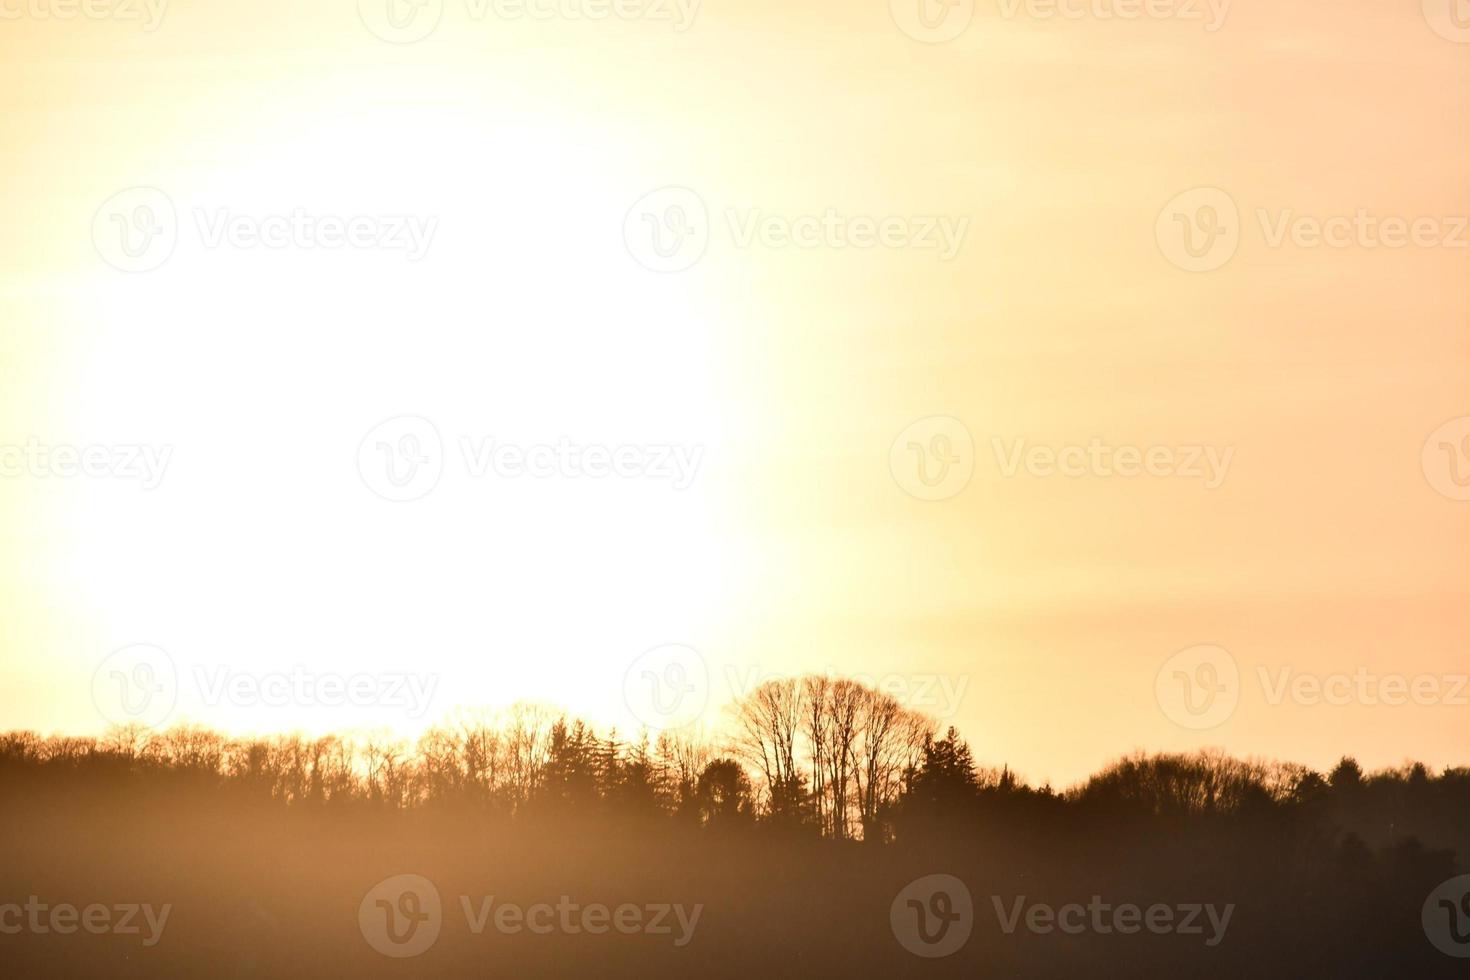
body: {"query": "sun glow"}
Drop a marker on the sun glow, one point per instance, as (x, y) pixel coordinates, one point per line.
(524, 323)
(372, 233)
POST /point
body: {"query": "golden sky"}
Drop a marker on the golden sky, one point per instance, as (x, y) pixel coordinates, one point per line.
(818, 155)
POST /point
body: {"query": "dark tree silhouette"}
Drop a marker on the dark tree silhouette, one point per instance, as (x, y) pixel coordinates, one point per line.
(1327, 872)
(724, 795)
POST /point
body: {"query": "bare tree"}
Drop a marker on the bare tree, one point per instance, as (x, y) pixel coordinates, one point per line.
(480, 748)
(384, 761)
(890, 743)
(766, 722)
(127, 740)
(815, 721)
(680, 756)
(528, 746)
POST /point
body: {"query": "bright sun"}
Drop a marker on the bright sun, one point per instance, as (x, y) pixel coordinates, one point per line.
(524, 324)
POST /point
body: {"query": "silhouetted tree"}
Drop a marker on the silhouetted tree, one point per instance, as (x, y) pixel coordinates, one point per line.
(724, 795)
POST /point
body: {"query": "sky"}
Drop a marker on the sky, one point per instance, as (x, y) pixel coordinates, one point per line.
(1094, 382)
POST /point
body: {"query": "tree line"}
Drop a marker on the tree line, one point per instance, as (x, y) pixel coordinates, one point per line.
(831, 758)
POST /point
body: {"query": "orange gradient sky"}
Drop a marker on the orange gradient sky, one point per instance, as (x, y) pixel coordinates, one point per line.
(1048, 603)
